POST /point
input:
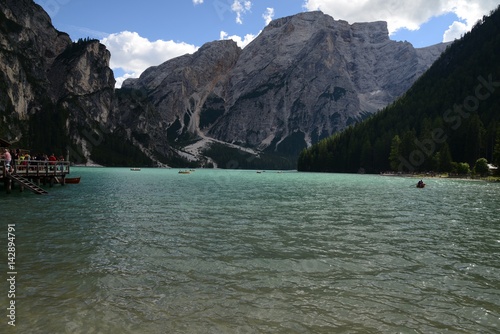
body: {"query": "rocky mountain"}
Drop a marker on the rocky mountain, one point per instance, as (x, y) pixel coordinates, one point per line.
(52, 88)
(302, 79)
(28, 47)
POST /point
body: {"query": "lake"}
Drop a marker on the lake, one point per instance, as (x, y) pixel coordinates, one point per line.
(235, 251)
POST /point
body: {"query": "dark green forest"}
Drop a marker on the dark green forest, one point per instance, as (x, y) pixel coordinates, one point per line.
(446, 122)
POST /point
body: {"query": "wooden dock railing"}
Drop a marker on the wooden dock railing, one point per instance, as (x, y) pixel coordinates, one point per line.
(34, 172)
(36, 168)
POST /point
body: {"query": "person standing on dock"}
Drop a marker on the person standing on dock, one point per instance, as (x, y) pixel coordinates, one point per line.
(15, 158)
(8, 159)
(52, 161)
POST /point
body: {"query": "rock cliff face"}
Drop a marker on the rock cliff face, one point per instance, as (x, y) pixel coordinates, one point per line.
(53, 87)
(28, 47)
(176, 91)
(303, 78)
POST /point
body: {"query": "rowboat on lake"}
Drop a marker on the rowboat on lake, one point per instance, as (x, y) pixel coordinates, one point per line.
(72, 180)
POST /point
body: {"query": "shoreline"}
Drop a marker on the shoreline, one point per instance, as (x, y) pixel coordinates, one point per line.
(490, 178)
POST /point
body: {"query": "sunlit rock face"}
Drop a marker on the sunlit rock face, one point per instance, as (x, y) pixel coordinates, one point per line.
(303, 78)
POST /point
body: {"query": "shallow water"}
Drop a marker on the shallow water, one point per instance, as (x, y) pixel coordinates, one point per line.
(220, 251)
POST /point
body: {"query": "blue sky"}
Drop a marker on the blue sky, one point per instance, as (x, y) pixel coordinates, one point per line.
(145, 33)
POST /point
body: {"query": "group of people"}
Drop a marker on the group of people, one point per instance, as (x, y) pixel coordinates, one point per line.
(18, 158)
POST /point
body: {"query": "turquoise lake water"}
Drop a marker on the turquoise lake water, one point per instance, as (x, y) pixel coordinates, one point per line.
(233, 251)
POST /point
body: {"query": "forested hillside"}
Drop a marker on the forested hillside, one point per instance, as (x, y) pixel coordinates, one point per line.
(450, 117)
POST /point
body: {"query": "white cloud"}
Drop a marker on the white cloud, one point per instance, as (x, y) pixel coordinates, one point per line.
(240, 8)
(469, 12)
(133, 53)
(268, 15)
(241, 42)
(409, 14)
(456, 30)
(121, 79)
(197, 2)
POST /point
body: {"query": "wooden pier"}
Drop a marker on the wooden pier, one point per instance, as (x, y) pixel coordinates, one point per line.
(31, 174)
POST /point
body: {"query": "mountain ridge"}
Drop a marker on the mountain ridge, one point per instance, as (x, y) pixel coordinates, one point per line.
(273, 95)
(303, 78)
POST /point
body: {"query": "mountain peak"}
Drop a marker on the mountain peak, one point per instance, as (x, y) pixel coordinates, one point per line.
(373, 32)
(303, 78)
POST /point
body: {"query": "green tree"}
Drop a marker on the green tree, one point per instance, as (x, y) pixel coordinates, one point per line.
(496, 150)
(395, 152)
(445, 160)
(407, 146)
(481, 167)
(366, 158)
(435, 162)
(409, 152)
(462, 168)
(474, 139)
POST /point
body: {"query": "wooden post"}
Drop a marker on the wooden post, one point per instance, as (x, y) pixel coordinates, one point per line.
(8, 185)
(6, 180)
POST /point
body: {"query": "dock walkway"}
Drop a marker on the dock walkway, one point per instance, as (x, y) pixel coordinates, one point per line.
(32, 173)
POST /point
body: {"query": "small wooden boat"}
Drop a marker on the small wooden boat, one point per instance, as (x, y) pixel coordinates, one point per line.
(184, 172)
(420, 185)
(72, 180)
(135, 169)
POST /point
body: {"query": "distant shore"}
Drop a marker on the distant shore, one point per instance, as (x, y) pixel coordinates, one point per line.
(491, 178)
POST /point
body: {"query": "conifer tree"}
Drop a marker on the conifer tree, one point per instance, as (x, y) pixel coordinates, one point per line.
(445, 160)
(395, 152)
(496, 150)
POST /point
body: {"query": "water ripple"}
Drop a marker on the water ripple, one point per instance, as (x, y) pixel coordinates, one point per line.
(240, 252)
